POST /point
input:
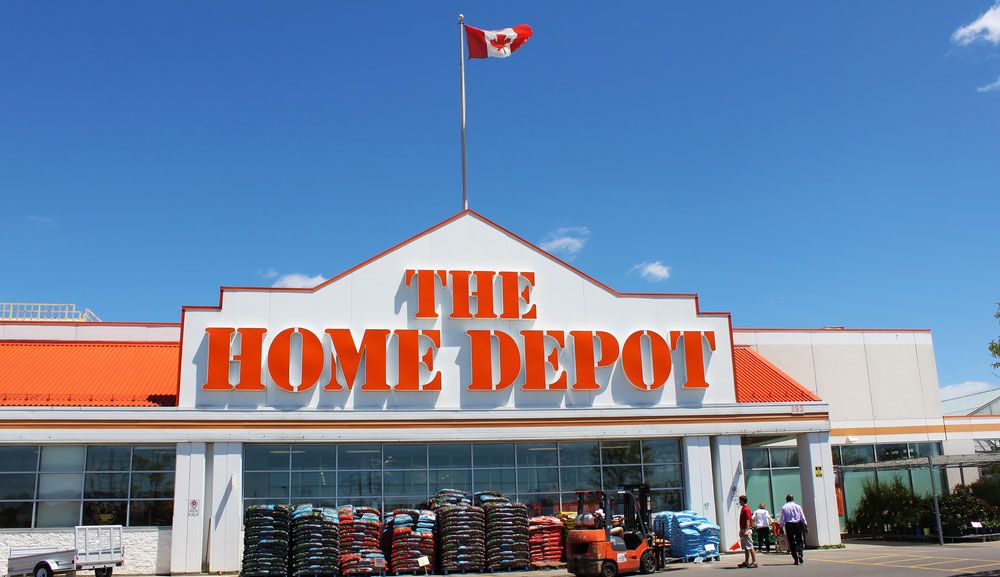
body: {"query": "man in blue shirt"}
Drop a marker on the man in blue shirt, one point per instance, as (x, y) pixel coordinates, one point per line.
(793, 523)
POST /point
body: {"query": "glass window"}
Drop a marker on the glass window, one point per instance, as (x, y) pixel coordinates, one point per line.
(109, 457)
(663, 476)
(359, 483)
(759, 489)
(316, 484)
(755, 459)
(836, 455)
(266, 457)
(619, 452)
(151, 513)
(154, 457)
(891, 452)
(18, 458)
(615, 477)
(540, 480)
(58, 514)
(672, 500)
(570, 502)
(584, 453)
(460, 479)
(661, 451)
(314, 457)
(104, 512)
(502, 480)
(854, 482)
(784, 457)
(15, 486)
(537, 455)
(152, 485)
(857, 454)
(580, 478)
(785, 482)
(60, 486)
(63, 457)
(405, 456)
(106, 486)
(266, 485)
(15, 515)
(450, 456)
(405, 482)
(393, 503)
(540, 504)
(359, 457)
(493, 454)
(924, 449)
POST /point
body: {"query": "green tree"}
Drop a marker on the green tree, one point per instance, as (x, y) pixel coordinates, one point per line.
(995, 345)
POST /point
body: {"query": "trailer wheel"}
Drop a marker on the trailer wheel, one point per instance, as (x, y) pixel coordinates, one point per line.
(647, 563)
(609, 569)
(43, 570)
(102, 572)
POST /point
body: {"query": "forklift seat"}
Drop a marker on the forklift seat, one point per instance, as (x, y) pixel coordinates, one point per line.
(632, 540)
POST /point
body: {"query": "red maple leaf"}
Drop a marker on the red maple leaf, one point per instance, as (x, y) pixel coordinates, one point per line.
(500, 42)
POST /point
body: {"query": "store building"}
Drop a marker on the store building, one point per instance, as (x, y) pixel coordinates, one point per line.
(463, 357)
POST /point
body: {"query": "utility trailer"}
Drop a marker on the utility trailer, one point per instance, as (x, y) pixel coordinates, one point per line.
(98, 548)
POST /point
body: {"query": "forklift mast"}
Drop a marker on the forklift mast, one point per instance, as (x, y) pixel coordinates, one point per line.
(637, 514)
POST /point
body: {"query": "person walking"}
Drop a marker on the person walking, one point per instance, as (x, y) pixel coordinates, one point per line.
(762, 527)
(795, 526)
(746, 535)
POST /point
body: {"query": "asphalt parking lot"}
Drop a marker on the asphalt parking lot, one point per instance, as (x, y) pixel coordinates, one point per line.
(966, 559)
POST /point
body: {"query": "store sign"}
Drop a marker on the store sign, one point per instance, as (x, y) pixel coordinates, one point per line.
(499, 310)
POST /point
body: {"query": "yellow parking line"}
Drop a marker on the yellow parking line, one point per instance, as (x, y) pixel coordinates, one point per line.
(951, 560)
(977, 566)
(891, 565)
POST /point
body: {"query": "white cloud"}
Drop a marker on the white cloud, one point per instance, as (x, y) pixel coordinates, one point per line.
(267, 273)
(991, 87)
(986, 27)
(566, 240)
(654, 271)
(40, 220)
(963, 389)
(298, 280)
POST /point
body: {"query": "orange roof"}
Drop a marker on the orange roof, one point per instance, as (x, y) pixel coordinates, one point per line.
(759, 381)
(100, 374)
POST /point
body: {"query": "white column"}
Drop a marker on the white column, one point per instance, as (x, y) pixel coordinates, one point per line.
(819, 492)
(727, 466)
(698, 484)
(225, 545)
(186, 552)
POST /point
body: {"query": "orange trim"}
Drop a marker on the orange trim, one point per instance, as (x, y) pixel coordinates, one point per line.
(946, 428)
(396, 424)
(91, 324)
(830, 330)
(972, 417)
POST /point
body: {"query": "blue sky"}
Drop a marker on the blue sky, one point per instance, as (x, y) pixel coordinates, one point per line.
(798, 164)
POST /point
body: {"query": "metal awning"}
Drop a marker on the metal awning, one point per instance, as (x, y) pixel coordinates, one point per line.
(972, 460)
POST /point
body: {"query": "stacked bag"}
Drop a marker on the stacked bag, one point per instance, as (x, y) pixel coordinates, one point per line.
(315, 541)
(545, 540)
(506, 533)
(461, 531)
(409, 536)
(690, 534)
(265, 541)
(360, 553)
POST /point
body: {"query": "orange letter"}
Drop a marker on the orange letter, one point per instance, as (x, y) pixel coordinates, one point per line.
(481, 352)
(583, 351)
(659, 358)
(279, 363)
(249, 358)
(410, 360)
(535, 359)
(510, 284)
(426, 308)
(461, 295)
(694, 359)
(348, 357)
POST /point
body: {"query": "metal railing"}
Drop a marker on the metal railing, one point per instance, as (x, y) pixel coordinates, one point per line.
(46, 312)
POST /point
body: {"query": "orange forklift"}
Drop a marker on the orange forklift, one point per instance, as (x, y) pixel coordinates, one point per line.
(605, 545)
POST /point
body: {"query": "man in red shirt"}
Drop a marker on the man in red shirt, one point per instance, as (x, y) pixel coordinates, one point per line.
(746, 535)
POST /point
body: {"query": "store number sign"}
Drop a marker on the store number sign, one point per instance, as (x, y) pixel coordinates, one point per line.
(497, 355)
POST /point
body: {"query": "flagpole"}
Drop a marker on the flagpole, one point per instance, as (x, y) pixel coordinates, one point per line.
(461, 73)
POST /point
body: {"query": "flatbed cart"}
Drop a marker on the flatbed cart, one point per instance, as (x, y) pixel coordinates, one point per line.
(98, 548)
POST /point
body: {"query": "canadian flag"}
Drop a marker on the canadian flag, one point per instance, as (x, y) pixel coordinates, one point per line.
(496, 43)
